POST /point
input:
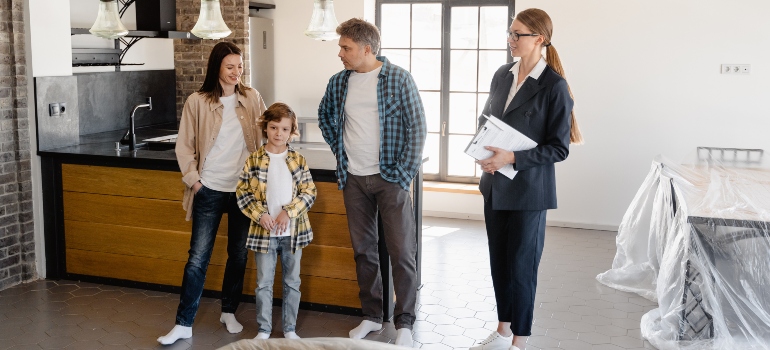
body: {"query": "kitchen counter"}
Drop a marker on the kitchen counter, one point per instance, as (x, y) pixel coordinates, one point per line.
(101, 148)
(116, 218)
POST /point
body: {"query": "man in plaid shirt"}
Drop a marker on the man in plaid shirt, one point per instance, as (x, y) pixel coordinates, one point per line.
(373, 119)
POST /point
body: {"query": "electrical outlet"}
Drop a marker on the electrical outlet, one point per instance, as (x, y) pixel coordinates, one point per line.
(62, 109)
(743, 69)
(53, 109)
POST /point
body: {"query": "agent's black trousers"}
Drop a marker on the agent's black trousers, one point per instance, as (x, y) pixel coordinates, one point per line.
(515, 247)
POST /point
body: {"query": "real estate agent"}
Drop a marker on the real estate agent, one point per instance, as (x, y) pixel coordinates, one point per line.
(532, 96)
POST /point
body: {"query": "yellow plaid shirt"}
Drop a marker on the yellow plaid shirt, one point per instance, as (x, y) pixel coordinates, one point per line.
(251, 193)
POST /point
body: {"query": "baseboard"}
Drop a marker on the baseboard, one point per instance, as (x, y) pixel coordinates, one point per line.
(480, 217)
(452, 215)
(582, 226)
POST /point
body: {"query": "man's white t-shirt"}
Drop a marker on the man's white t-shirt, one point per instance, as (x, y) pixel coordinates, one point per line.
(278, 193)
(226, 158)
(361, 135)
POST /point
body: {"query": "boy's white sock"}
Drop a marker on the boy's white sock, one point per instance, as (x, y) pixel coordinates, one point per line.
(364, 328)
(261, 335)
(291, 335)
(404, 337)
(232, 324)
(178, 332)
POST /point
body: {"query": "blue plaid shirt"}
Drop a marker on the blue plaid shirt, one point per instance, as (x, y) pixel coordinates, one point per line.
(402, 123)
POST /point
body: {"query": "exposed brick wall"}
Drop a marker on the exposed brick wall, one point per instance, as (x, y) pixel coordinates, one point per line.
(17, 245)
(191, 56)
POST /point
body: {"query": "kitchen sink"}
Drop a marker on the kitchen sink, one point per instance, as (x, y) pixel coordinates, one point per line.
(160, 143)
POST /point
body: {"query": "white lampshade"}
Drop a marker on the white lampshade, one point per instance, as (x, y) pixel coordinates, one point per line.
(210, 23)
(323, 23)
(108, 24)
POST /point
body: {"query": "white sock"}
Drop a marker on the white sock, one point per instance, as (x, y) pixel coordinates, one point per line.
(291, 335)
(404, 337)
(364, 328)
(232, 324)
(514, 347)
(178, 332)
(262, 336)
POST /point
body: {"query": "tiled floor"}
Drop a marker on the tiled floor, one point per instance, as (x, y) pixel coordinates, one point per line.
(456, 303)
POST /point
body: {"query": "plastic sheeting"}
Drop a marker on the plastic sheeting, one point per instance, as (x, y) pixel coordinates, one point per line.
(696, 239)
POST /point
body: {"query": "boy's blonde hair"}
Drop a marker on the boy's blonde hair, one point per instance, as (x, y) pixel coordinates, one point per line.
(275, 113)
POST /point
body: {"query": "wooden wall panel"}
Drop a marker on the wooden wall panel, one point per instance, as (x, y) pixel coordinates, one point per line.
(128, 211)
(129, 224)
(317, 260)
(320, 290)
(330, 229)
(126, 182)
(328, 200)
(136, 241)
(324, 261)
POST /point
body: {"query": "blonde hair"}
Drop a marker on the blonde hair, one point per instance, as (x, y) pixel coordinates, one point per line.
(275, 113)
(539, 22)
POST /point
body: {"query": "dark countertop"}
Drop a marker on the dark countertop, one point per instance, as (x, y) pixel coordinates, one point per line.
(99, 149)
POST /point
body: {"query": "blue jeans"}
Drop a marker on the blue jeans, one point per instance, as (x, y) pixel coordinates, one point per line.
(266, 275)
(208, 207)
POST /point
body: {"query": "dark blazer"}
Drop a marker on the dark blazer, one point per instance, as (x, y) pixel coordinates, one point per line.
(541, 110)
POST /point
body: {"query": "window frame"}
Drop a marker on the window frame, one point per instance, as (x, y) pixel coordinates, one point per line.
(446, 25)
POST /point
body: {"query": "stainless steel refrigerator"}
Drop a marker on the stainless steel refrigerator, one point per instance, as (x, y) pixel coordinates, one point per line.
(262, 55)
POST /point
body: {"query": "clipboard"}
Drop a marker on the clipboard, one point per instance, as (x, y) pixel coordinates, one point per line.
(497, 133)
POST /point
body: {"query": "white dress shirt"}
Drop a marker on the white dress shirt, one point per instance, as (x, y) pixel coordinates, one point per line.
(534, 74)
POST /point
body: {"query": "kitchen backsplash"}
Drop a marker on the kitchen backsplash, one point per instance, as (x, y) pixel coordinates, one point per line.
(99, 102)
(106, 99)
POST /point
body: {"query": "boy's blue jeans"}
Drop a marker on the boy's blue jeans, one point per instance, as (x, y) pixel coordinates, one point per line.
(208, 207)
(266, 263)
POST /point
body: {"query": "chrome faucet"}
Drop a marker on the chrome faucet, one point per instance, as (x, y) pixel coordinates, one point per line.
(131, 134)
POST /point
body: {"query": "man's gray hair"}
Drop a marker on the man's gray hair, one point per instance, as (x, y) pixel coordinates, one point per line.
(361, 32)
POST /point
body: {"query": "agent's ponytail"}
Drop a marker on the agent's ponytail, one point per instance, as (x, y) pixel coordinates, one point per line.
(539, 22)
(552, 58)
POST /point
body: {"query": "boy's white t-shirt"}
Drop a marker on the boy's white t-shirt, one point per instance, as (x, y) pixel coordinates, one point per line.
(361, 135)
(226, 158)
(279, 184)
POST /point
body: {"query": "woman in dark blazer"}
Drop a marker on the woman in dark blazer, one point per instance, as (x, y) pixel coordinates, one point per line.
(532, 96)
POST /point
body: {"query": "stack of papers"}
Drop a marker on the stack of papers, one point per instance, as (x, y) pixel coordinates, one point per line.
(497, 133)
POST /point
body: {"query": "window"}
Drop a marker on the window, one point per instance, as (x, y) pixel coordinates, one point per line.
(452, 48)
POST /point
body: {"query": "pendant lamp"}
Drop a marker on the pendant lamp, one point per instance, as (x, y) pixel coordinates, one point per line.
(210, 23)
(323, 23)
(108, 23)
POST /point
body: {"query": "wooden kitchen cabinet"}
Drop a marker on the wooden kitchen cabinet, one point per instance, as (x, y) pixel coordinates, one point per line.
(128, 224)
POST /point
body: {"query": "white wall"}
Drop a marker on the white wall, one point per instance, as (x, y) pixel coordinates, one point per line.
(49, 32)
(303, 66)
(645, 75)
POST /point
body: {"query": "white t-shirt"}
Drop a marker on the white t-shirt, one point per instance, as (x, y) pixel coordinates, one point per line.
(361, 135)
(279, 182)
(225, 160)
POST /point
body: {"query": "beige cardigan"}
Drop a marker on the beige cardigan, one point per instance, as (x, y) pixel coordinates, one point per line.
(199, 127)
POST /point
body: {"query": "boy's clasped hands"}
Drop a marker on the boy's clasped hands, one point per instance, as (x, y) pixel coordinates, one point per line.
(281, 223)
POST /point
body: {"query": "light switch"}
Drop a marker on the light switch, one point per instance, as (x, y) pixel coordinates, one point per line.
(53, 109)
(743, 69)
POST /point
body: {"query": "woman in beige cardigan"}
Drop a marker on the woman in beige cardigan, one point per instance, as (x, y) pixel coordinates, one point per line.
(217, 132)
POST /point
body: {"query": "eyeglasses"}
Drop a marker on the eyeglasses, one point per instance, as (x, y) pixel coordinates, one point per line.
(516, 36)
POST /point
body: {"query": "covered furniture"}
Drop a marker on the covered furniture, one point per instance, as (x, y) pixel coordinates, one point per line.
(696, 239)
